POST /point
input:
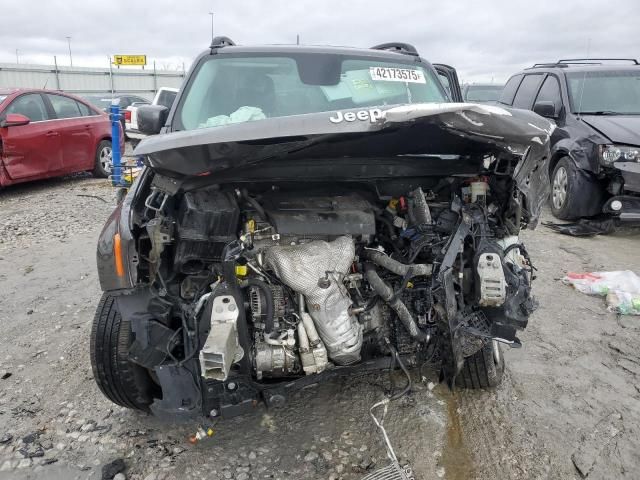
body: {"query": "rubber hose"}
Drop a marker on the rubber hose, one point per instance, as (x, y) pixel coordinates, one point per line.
(255, 204)
(387, 294)
(396, 267)
(268, 300)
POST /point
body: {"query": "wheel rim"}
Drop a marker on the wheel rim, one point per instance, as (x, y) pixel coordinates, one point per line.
(106, 159)
(560, 184)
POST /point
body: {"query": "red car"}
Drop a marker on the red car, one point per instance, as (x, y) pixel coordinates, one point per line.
(47, 133)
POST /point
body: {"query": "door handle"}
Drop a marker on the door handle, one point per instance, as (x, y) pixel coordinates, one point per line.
(51, 133)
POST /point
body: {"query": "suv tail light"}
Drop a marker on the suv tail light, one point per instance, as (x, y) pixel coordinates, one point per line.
(127, 115)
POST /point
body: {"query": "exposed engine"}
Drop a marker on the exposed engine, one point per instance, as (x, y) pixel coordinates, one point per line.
(324, 280)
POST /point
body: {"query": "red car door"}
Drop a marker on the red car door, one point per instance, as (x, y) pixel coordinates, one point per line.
(34, 150)
(76, 133)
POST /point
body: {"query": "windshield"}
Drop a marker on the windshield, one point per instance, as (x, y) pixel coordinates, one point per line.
(605, 92)
(234, 89)
(483, 93)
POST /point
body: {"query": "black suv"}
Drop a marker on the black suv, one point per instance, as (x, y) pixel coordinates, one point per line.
(595, 103)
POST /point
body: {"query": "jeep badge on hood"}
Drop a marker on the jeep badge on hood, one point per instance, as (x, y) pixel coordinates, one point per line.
(373, 114)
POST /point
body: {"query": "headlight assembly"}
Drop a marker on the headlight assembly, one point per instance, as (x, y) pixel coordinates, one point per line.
(618, 153)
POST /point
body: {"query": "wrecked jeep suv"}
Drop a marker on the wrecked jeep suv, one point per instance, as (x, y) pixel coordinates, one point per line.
(308, 212)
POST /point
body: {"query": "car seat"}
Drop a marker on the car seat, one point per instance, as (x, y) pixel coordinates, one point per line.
(257, 91)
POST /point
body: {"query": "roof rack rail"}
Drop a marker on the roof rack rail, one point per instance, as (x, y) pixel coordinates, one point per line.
(398, 47)
(219, 42)
(568, 62)
(587, 61)
(548, 65)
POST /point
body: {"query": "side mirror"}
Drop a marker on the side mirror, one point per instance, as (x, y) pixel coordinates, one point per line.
(14, 120)
(151, 118)
(546, 109)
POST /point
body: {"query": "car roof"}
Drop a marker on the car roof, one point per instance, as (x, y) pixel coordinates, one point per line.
(315, 49)
(586, 65)
(11, 91)
(8, 91)
(18, 91)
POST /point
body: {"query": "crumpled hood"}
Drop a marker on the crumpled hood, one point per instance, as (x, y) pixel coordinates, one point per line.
(403, 132)
(617, 128)
(194, 152)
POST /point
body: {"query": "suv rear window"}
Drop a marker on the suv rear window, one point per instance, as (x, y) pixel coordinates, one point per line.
(509, 90)
(228, 89)
(482, 93)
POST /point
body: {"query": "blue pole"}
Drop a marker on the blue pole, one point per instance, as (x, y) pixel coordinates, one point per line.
(116, 179)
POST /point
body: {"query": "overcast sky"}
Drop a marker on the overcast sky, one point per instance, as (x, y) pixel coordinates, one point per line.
(484, 40)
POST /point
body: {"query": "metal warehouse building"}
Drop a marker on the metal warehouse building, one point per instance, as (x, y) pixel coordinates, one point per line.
(82, 80)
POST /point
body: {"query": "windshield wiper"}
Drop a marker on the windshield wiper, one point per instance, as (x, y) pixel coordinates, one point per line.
(600, 112)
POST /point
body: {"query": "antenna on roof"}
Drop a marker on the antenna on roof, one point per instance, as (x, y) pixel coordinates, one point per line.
(584, 78)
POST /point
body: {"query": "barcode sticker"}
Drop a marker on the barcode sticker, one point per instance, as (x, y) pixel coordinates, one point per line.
(393, 74)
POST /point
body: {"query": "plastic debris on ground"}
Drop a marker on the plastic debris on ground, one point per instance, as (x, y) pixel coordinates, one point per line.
(585, 227)
(201, 434)
(621, 289)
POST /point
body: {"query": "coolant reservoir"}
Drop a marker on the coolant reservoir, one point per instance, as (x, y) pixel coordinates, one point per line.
(479, 191)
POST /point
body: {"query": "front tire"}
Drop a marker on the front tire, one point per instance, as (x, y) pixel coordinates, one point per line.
(483, 369)
(120, 380)
(103, 160)
(574, 194)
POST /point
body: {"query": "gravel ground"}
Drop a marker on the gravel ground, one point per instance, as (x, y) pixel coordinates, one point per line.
(568, 407)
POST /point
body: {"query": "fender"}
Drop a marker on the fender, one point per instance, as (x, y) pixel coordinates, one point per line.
(583, 152)
(125, 280)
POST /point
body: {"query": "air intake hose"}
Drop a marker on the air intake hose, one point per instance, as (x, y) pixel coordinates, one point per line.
(384, 261)
(387, 294)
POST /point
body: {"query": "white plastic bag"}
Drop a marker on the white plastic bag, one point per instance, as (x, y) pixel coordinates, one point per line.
(621, 288)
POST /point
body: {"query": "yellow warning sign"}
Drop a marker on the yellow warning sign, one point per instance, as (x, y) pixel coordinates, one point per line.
(129, 59)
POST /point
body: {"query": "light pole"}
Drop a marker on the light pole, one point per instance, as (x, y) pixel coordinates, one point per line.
(211, 13)
(17, 59)
(70, 57)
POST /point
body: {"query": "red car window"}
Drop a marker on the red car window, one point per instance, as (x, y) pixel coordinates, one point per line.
(64, 107)
(30, 105)
(84, 110)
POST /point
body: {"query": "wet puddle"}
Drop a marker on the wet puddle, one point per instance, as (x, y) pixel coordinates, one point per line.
(456, 457)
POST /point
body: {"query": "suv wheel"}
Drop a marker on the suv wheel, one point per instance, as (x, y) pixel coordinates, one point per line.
(121, 381)
(483, 369)
(104, 155)
(574, 193)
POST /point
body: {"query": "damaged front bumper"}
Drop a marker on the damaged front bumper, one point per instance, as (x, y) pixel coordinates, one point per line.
(624, 207)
